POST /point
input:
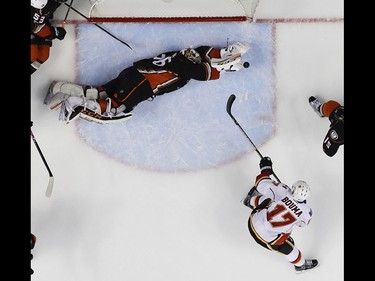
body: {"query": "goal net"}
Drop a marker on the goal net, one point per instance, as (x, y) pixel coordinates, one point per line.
(172, 10)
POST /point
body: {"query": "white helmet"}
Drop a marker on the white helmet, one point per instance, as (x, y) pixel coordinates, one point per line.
(300, 191)
(39, 4)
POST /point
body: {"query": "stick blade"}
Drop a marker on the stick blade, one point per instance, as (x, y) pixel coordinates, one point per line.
(230, 101)
(49, 187)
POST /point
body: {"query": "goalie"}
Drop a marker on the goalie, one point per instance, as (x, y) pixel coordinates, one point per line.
(144, 80)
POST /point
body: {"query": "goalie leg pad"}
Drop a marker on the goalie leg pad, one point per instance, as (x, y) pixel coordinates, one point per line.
(111, 114)
(90, 110)
(59, 91)
(72, 107)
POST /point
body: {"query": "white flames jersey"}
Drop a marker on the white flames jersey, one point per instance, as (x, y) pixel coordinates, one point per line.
(282, 214)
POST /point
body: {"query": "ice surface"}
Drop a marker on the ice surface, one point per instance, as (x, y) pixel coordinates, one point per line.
(107, 220)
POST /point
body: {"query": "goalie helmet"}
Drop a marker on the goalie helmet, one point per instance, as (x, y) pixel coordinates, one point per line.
(191, 55)
(300, 191)
(39, 4)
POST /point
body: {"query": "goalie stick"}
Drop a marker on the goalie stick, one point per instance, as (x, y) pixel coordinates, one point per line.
(51, 179)
(229, 110)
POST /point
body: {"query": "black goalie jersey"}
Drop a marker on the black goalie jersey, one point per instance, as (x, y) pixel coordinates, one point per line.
(161, 74)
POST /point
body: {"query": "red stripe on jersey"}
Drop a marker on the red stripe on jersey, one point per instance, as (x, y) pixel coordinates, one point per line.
(280, 239)
(160, 80)
(262, 176)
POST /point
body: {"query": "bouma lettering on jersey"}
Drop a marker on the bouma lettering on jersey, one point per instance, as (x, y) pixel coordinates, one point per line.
(292, 206)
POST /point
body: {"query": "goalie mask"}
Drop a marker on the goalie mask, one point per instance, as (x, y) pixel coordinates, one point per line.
(39, 4)
(191, 55)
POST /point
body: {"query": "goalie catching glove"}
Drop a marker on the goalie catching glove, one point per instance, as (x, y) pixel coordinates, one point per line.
(230, 58)
(234, 49)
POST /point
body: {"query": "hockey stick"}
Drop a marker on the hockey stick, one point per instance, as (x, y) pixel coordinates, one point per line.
(229, 110)
(82, 15)
(67, 13)
(51, 179)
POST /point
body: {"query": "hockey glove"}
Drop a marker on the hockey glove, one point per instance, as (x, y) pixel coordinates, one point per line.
(58, 32)
(37, 40)
(265, 164)
(253, 192)
(46, 41)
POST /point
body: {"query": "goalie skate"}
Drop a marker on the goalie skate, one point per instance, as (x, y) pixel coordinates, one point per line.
(316, 105)
(309, 264)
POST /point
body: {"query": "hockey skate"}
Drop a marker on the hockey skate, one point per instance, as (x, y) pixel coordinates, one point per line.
(316, 105)
(309, 264)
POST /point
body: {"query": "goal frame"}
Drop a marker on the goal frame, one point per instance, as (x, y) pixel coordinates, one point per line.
(247, 9)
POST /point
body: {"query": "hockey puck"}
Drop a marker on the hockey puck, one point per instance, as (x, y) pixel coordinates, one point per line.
(246, 64)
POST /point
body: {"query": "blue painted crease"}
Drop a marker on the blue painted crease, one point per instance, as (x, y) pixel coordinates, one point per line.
(188, 129)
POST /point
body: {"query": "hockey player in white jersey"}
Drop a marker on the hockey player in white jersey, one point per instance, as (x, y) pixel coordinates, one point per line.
(277, 208)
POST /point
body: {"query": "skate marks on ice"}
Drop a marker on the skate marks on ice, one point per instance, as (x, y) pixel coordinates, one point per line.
(188, 129)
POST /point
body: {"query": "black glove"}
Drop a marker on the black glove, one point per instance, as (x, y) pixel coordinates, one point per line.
(253, 192)
(31, 123)
(46, 41)
(58, 32)
(265, 164)
(37, 40)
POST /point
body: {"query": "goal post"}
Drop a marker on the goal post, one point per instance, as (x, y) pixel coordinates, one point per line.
(171, 10)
